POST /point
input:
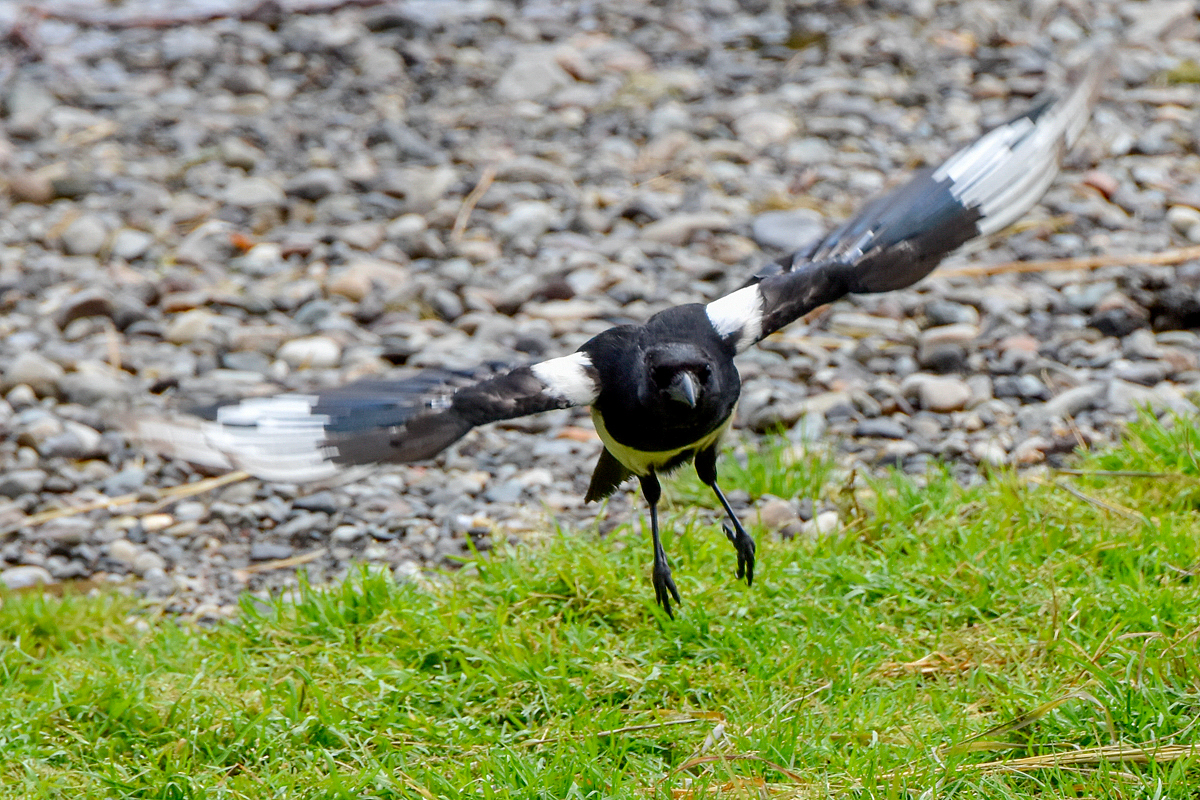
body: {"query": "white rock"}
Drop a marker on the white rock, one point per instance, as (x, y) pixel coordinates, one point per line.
(129, 243)
(527, 220)
(190, 326)
(24, 577)
(34, 369)
(146, 561)
(823, 524)
(989, 452)
(253, 192)
(937, 392)
(124, 551)
(533, 74)
(1183, 218)
(316, 352)
(761, 128)
(85, 236)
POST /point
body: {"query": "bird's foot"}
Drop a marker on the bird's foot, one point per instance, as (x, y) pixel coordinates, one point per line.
(664, 586)
(743, 543)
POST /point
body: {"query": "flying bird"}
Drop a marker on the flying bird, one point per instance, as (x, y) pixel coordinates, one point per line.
(663, 393)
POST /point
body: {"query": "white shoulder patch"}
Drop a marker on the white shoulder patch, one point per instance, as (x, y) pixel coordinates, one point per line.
(569, 377)
(738, 313)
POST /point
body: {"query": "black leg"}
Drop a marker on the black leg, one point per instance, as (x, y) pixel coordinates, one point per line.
(664, 585)
(706, 468)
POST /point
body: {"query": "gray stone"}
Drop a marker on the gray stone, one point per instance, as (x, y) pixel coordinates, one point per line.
(775, 513)
(678, 229)
(944, 312)
(346, 533)
(253, 192)
(147, 561)
(315, 184)
(881, 427)
(94, 382)
(24, 577)
(17, 482)
(269, 551)
(762, 128)
(34, 370)
(85, 236)
(124, 552)
(788, 230)
(130, 479)
(533, 74)
(27, 104)
(527, 220)
(131, 244)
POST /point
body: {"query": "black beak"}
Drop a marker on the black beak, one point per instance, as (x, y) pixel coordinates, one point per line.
(683, 389)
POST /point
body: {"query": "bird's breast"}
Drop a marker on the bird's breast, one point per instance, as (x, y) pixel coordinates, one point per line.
(643, 462)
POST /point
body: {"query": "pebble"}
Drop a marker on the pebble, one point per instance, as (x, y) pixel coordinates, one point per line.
(35, 371)
(17, 482)
(24, 577)
(775, 513)
(533, 74)
(678, 229)
(131, 244)
(881, 427)
(824, 524)
(310, 352)
(937, 393)
(788, 230)
(762, 128)
(269, 551)
(85, 236)
(124, 552)
(253, 191)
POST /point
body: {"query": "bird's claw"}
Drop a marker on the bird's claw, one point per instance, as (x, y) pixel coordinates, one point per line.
(745, 547)
(664, 588)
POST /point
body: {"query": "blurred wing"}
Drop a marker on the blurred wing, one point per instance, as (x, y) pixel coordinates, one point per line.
(295, 437)
(899, 238)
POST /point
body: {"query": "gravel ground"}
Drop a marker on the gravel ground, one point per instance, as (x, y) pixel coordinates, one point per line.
(296, 199)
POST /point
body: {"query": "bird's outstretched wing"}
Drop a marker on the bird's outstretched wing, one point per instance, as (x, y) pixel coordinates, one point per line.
(295, 437)
(899, 238)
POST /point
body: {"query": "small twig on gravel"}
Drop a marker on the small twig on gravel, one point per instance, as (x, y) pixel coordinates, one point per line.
(267, 11)
(468, 205)
(166, 497)
(1164, 258)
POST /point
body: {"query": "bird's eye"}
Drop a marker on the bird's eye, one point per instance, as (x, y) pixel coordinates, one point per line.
(662, 376)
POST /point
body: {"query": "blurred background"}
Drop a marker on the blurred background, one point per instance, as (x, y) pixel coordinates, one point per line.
(218, 199)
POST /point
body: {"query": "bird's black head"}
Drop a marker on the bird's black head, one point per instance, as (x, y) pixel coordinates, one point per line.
(679, 377)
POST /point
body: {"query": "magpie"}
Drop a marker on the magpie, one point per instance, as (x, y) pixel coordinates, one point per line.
(662, 393)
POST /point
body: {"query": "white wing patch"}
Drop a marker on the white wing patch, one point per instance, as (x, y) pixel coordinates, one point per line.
(739, 313)
(569, 377)
(1007, 171)
(274, 438)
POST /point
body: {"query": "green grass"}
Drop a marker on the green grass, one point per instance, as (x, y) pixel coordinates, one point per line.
(947, 630)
